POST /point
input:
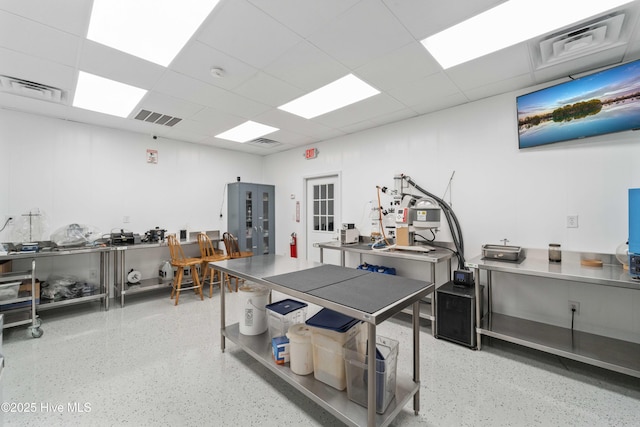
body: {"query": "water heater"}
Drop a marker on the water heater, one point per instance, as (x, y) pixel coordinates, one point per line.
(634, 232)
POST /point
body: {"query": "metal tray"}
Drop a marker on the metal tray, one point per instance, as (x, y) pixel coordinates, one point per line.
(503, 253)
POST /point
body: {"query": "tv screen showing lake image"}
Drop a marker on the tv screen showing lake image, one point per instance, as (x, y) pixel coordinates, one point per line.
(597, 104)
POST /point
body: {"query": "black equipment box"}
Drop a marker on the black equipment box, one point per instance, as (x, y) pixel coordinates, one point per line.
(456, 313)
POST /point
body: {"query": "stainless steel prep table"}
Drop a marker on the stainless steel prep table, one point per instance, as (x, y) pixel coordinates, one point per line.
(103, 293)
(433, 257)
(339, 289)
(605, 352)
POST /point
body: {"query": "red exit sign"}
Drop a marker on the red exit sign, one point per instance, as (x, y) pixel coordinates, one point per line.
(311, 153)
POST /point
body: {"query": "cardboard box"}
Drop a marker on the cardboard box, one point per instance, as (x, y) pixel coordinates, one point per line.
(5, 266)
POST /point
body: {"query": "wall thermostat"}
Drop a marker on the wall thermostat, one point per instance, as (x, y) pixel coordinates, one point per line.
(463, 278)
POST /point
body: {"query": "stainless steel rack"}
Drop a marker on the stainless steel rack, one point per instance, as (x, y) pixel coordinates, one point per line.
(21, 314)
(605, 352)
(339, 289)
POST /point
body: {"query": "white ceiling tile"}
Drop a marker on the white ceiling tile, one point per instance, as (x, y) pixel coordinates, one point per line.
(36, 39)
(245, 32)
(502, 65)
(37, 70)
(119, 66)
(218, 121)
(429, 105)
(396, 116)
(371, 107)
(304, 17)
(283, 120)
(268, 90)
(579, 65)
(364, 32)
(508, 85)
(195, 91)
(71, 16)
(165, 104)
(409, 63)
(197, 59)
(413, 92)
(306, 67)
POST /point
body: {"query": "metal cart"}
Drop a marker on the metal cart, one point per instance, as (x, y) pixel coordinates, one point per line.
(21, 309)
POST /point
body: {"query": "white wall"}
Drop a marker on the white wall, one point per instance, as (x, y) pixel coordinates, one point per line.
(498, 192)
(77, 173)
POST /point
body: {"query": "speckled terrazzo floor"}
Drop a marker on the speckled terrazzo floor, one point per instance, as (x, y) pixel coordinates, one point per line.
(153, 364)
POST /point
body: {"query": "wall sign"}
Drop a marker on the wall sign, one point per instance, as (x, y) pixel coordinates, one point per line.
(152, 156)
(311, 153)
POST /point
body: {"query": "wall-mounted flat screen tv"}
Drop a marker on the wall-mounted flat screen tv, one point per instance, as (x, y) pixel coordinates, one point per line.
(597, 104)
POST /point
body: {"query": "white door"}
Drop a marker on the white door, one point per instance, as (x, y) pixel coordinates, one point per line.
(322, 216)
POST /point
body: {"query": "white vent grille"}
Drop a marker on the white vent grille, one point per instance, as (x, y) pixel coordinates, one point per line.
(264, 142)
(157, 118)
(585, 39)
(32, 89)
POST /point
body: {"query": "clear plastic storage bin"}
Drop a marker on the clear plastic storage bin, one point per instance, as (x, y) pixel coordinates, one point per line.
(283, 314)
(357, 370)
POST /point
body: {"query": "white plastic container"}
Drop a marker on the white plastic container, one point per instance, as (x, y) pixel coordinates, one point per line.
(331, 331)
(253, 315)
(283, 314)
(300, 349)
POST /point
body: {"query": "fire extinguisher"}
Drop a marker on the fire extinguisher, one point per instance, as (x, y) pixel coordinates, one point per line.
(293, 245)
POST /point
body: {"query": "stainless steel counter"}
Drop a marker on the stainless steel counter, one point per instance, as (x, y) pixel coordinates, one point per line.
(605, 352)
(432, 258)
(340, 289)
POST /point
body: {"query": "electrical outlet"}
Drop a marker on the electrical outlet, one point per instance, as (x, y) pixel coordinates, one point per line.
(126, 219)
(574, 305)
(93, 274)
(572, 221)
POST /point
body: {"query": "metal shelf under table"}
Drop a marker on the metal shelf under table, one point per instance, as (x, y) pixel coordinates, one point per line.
(605, 352)
(340, 289)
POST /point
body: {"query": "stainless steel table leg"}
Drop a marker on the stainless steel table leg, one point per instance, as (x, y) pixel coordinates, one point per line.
(416, 354)
(478, 290)
(104, 282)
(371, 376)
(433, 300)
(222, 312)
(321, 256)
(122, 279)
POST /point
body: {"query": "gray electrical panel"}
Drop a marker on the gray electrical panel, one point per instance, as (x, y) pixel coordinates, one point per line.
(251, 216)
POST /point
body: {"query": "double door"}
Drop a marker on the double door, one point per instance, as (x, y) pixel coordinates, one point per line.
(251, 216)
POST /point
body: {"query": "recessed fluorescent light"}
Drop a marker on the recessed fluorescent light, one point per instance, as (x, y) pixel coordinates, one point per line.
(106, 96)
(247, 131)
(508, 24)
(342, 92)
(155, 30)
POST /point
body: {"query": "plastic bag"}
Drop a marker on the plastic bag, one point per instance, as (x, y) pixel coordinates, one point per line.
(75, 235)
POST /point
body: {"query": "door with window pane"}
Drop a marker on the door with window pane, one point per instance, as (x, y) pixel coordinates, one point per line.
(322, 216)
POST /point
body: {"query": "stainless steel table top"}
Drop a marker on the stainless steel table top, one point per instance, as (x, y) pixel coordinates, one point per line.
(434, 256)
(372, 297)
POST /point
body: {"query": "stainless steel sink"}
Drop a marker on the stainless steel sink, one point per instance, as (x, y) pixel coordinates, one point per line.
(503, 253)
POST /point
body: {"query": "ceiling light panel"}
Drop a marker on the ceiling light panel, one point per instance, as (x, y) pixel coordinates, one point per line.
(340, 93)
(509, 23)
(247, 131)
(155, 30)
(96, 93)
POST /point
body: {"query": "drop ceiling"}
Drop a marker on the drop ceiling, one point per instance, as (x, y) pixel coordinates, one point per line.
(273, 51)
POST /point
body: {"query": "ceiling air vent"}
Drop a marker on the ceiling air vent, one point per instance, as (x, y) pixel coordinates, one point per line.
(157, 118)
(264, 142)
(31, 89)
(585, 39)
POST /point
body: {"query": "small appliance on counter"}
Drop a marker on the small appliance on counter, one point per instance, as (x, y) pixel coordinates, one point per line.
(349, 234)
(155, 235)
(122, 238)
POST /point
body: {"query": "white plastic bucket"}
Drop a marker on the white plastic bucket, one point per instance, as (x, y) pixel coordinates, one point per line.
(300, 349)
(253, 316)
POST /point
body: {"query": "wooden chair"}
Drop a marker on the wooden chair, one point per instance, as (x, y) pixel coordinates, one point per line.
(210, 254)
(181, 262)
(233, 250)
